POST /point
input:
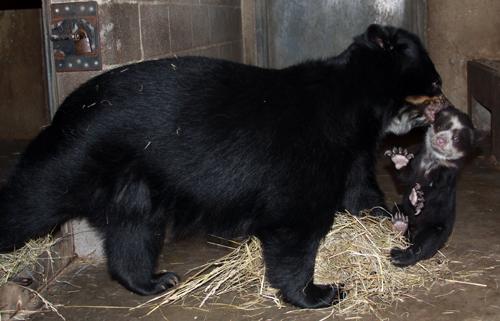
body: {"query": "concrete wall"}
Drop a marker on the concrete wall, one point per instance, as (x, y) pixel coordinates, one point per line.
(137, 30)
(23, 109)
(249, 32)
(458, 31)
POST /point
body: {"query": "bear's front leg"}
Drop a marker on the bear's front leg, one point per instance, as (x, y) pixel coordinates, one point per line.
(361, 191)
(289, 256)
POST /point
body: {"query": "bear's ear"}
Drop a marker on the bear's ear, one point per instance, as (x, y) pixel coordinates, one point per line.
(379, 36)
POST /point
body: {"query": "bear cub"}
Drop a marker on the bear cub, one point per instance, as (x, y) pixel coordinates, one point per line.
(427, 212)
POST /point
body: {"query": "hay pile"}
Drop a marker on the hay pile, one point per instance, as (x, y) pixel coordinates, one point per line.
(24, 258)
(355, 252)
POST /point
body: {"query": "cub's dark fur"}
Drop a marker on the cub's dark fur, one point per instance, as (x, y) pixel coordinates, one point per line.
(204, 144)
(427, 212)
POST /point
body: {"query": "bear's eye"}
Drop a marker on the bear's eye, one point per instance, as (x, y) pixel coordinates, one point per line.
(455, 138)
(401, 46)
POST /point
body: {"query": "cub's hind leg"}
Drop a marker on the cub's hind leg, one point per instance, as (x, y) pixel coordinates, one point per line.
(425, 244)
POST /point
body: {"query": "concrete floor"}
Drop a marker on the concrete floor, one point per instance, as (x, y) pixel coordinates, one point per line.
(85, 286)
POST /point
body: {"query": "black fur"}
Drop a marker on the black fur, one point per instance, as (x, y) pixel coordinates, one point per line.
(429, 229)
(204, 144)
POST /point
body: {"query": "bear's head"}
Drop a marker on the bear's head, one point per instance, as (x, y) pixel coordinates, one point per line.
(401, 60)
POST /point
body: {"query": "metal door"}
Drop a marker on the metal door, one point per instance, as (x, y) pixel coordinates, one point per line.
(294, 30)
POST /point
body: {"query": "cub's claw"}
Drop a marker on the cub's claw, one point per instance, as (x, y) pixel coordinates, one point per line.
(417, 198)
(400, 223)
(399, 156)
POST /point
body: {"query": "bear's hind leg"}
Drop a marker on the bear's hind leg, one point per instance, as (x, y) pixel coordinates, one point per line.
(132, 250)
(132, 220)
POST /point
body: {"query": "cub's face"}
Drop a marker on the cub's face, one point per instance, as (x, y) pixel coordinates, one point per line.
(451, 135)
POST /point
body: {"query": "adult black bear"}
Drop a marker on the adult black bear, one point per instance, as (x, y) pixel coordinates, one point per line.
(203, 144)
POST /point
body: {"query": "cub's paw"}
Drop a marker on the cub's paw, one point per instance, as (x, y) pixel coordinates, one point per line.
(315, 296)
(399, 156)
(400, 223)
(435, 107)
(417, 198)
(403, 257)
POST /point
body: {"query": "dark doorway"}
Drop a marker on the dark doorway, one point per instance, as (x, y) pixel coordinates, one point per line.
(23, 104)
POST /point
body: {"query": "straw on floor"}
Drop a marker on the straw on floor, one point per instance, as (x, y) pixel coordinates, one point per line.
(24, 258)
(355, 252)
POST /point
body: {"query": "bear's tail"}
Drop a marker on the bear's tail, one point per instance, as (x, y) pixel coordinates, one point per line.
(13, 230)
(24, 214)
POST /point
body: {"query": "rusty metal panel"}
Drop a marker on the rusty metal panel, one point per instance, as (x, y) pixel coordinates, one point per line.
(75, 36)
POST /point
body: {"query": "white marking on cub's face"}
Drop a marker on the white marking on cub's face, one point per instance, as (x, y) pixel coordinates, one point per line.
(441, 139)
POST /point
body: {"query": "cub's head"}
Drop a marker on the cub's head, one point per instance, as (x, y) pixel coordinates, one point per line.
(451, 135)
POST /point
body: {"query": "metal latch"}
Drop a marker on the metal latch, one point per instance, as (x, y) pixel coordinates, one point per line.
(75, 36)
